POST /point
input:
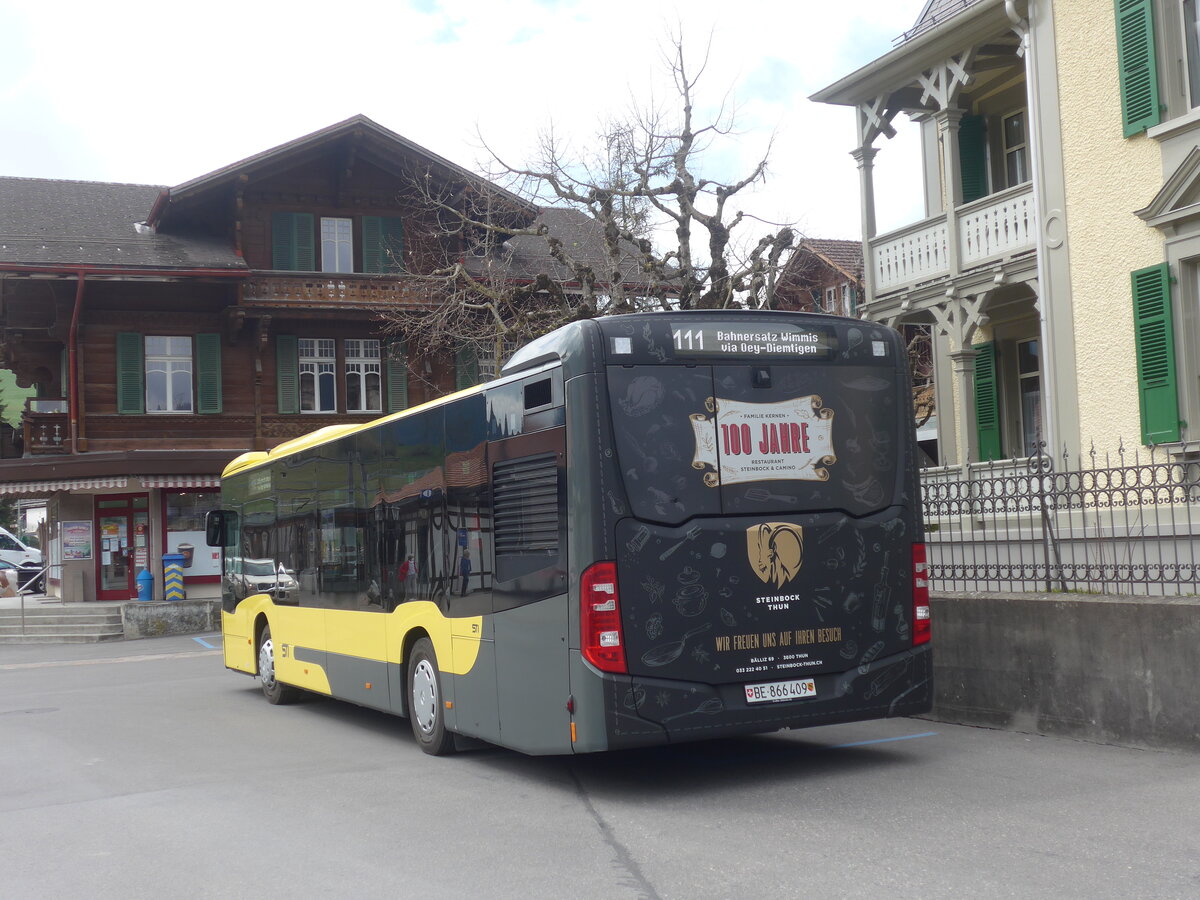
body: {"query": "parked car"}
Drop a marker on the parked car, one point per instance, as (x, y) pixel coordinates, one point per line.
(244, 577)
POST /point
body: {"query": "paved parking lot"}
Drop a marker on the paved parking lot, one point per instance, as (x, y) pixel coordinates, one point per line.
(145, 769)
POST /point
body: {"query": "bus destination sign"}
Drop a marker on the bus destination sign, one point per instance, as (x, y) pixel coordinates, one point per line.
(756, 340)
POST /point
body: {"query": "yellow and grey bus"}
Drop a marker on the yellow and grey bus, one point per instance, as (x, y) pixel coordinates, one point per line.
(648, 529)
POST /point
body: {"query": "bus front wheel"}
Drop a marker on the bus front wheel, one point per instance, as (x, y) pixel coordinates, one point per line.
(426, 710)
(275, 691)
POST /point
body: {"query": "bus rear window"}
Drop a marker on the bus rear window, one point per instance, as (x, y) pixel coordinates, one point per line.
(749, 438)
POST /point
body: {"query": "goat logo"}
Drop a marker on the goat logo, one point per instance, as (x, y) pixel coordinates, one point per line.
(776, 551)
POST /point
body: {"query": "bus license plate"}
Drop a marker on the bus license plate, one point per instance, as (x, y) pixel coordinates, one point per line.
(776, 691)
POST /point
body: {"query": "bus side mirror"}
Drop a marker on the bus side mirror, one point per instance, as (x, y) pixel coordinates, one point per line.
(216, 527)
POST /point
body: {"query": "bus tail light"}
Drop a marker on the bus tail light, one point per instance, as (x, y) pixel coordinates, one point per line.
(601, 639)
(920, 595)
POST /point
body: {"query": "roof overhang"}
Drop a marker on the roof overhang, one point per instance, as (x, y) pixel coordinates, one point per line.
(1178, 200)
(98, 471)
(899, 67)
(358, 129)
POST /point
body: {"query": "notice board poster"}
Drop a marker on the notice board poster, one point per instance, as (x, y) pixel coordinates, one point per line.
(77, 540)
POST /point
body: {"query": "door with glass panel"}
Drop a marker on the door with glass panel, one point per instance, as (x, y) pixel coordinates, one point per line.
(123, 532)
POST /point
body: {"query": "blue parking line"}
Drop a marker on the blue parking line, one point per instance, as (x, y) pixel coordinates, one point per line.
(903, 737)
(204, 643)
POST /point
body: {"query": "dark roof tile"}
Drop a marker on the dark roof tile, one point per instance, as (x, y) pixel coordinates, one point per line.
(67, 223)
(846, 255)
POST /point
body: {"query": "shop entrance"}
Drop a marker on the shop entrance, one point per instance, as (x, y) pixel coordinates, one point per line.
(123, 526)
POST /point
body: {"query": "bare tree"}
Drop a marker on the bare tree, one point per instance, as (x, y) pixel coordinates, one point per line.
(633, 225)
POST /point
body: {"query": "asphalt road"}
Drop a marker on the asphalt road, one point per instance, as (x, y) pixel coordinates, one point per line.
(144, 769)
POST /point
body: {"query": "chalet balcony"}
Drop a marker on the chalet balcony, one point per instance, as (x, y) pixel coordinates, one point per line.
(325, 289)
(997, 227)
(45, 426)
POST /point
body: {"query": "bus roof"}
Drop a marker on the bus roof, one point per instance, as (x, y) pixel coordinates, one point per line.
(333, 432)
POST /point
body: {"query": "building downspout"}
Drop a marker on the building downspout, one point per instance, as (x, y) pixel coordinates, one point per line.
(73, 364)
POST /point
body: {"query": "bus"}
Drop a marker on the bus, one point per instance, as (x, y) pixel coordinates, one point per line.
(649, 529)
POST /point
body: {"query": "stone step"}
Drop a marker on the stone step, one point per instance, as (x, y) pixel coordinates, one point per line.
(53, 625)
(61, 625)
(8, 617)
(74, 638)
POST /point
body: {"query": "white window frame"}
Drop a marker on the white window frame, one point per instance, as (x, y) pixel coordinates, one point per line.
(1019, 151)
(337, 244)
(318, 366)
(363, 359)
(1029, 431)
(172, 363)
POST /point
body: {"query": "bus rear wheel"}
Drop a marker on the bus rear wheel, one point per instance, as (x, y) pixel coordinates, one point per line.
(275, 691)
(426, 709)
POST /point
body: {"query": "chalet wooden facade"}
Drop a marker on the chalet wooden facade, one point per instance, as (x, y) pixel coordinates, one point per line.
(822, 275)
(168, 330)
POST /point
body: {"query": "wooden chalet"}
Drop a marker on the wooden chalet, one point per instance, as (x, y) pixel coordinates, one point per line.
(822, 275)
(169, 329)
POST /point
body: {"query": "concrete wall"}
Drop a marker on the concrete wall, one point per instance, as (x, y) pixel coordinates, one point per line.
(158, 619)
(1107, 669)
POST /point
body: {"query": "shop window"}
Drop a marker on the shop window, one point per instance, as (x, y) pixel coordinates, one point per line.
(184, 513)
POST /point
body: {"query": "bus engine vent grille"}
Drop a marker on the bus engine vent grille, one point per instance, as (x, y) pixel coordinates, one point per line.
(525, 497)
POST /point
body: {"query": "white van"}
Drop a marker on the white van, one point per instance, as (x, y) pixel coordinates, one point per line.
(14, 554)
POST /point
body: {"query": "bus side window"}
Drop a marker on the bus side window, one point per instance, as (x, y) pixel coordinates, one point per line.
(538, 394)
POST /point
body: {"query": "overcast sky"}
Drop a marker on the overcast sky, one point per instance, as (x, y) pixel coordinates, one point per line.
(156, 92)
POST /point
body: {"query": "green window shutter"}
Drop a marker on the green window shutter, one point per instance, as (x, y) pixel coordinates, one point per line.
(287, 374)
(1137, 65)
(397, 377)
(1155, 340)
(292, 242)
(972, 157)
(393, 244)
(208, 373)
(372, 245)
(987, 403)
(131, 375)
(466, 369)
(383, 243)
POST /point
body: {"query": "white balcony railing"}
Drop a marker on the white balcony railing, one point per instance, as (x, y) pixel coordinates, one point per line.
(998, 226)
(916, 253)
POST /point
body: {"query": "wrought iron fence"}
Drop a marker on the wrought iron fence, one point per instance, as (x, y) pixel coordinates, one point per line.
(1126, 522)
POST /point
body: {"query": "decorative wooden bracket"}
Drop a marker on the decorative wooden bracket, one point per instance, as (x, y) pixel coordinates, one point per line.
(235, 317)
(960, 318)
(264, 332)
(875, 119)
(944, 83)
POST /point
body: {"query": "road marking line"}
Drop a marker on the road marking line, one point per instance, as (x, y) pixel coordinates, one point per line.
(903, 737)
(204, 643)
(149, 657)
